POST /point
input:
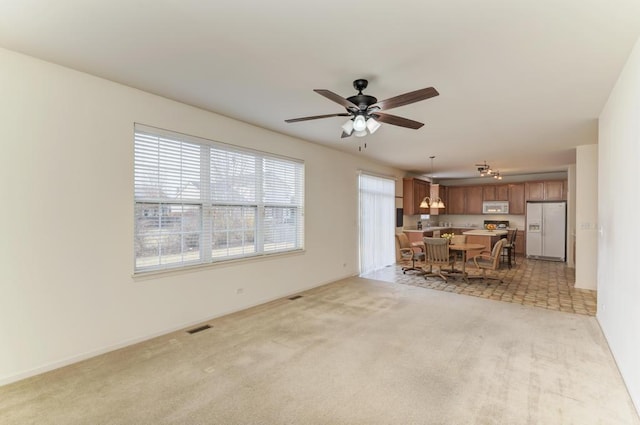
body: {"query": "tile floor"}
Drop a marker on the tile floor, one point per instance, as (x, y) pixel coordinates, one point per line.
(544, 284)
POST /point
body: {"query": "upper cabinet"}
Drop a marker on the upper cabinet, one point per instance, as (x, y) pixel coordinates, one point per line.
(455, 200)
(444, 195)
(534, 191)
(489, 193)
(498, 192)
(502, 192)
(552, 190)
(516, 199)
(464, 200)
(468, 199)
(413, 192)
(473, 201)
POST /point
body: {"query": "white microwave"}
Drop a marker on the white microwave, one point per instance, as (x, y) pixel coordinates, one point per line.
(495, 207)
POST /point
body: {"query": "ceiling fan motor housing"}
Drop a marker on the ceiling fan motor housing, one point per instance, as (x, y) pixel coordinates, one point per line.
(362, 100)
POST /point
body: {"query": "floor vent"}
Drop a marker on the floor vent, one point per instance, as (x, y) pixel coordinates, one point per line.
(295, 297)
(198, 329)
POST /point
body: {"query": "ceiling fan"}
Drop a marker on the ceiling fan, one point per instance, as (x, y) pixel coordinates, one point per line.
(364, 110)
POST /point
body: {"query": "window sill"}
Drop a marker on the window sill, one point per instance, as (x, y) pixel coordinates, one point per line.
(144, 275)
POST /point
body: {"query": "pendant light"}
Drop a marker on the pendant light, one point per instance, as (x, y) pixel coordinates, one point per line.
(427, 202)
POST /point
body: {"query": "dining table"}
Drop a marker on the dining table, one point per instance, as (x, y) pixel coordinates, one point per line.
(464, 248)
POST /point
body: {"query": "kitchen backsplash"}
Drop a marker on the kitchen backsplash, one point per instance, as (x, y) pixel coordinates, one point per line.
(476, 220)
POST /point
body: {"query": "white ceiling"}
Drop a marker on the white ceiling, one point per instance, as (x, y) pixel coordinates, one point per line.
(521, 82)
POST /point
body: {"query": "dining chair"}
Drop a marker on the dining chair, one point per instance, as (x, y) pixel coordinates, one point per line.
(405, 252)
(509, 248)
(489, 260)
(437, 254)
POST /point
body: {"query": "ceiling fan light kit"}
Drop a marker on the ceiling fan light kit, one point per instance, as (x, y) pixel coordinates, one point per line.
(348, 127)
(360, 133)
(373, 125)
(364, 110)
(359, 123)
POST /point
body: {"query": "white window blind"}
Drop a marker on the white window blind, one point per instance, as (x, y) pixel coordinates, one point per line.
(199, 201)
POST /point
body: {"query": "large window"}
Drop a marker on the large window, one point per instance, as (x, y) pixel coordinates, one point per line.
(198, 201)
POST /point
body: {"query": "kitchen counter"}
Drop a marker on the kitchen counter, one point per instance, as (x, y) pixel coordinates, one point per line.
(483, 237)
(485, 233)
(432, 228)
(415, 235)
(426, 229)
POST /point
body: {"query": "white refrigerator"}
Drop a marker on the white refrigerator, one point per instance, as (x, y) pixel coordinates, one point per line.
(546, 230)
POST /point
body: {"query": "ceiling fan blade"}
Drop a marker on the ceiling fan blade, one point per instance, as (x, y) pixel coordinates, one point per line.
(336, 98)
(405, 99)
(345, 134)
(395, 120)
(315, 117)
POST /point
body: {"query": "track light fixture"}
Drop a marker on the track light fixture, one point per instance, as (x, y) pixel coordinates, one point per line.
(485, 170)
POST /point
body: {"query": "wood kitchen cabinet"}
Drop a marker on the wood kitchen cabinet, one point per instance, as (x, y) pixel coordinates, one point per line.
(455, 200)
(520, 243)
(413, 192)
(421, 190)
(517, 204)
(468, 199)
(534, 191)
(551, 190)
(489, 193)
(554, 190)
(499, 192)
(444, 195)
(464, 200)
(502, 192)
(473, 200)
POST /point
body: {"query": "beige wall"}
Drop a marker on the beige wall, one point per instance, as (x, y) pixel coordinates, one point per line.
(586, 216)
(618, 230)
(66, 285)
(571, 215)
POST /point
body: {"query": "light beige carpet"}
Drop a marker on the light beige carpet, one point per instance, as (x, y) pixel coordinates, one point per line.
(354, 352)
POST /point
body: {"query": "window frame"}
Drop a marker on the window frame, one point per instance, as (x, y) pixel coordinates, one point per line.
(273, 175)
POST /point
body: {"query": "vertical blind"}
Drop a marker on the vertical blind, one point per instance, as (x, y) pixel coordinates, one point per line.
(199, 201)
(376, 222)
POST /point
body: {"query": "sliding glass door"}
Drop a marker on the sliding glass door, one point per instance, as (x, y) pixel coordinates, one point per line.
(376, 222)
